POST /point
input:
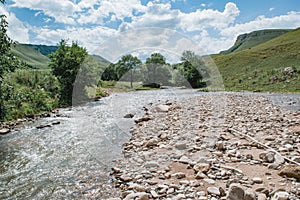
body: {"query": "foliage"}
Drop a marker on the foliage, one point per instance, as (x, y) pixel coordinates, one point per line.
(29, 92)
(8, 62)
(190, 71)
(129, 63)
(65, 64)
(88, 76)
(156, 70)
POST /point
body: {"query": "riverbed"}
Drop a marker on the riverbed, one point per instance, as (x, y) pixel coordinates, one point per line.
(71, 157)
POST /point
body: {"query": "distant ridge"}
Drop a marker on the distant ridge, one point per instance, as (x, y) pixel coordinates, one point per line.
(273, 65)
(37, 56)
(249, 40)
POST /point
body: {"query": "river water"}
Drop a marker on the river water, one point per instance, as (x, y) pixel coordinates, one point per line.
(72, 160)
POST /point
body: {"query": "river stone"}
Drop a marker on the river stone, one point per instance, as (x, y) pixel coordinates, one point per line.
(249, 194)
(180, 145)
(4, 131)
(280, 196)
(138, 195)
(213, 191)
(151, 164)
(267, 156)
(257, 180)
(261, 196)
(125, 178)
(162, 108)
(202, 167)
(291, 172)
(184, 160)
(130, 115)
(236, 192)
(179, 175)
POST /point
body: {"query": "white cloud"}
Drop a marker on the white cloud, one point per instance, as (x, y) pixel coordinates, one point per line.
(91, 38)
(271, 9)
(202, 19)
(119, 9)
(289, 20)
(16, 29)
(62, 11)
(156, 15)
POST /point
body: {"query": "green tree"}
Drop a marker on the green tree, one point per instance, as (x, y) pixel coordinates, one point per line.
(8, 62)
(65, 64)
(193, 69)
(129, 63)
(156, 70)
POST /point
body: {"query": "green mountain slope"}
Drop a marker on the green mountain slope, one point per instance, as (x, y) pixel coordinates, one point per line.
(249, 40)
(264, 67)
(37, 55)
(34, 55)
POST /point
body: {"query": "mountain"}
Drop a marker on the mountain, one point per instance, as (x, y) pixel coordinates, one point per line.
(273, 65)
(37, 56)
(34, 55)
(249, 40)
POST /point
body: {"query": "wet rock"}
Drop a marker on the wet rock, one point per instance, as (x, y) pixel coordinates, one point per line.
(143, 119)
(4, 131)
(42, 126)
(280, 196)
(236, 192)
(55, 123)
(213, 191)
(130, 115)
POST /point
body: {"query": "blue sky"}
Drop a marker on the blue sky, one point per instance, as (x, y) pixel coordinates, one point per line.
(213, 25)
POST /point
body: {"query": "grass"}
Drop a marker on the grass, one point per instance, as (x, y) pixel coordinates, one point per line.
(31, 56)
(253, 69)
(249, 40)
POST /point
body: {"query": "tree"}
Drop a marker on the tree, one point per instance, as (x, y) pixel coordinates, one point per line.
(156, 70)
(65, 64)
(129, 63)
(192, 68)
(8, 62)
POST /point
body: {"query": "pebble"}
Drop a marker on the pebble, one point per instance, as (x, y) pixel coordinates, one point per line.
(213, 191)
(4, 131)
(236, 192)
(257, 180)
(280, 196)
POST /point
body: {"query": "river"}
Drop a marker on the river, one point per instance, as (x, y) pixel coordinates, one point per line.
(72, 159)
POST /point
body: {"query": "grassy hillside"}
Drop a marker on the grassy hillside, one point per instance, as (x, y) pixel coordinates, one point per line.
(31, 55)
(249, 40)
(37, 55)
(262, 68)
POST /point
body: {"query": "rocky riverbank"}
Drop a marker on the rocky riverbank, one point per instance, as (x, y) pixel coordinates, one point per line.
(216, 146)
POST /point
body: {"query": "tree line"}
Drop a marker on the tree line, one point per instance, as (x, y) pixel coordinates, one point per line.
(25, 91)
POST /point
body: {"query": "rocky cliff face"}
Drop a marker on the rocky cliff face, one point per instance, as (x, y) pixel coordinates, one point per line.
(249, 40)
